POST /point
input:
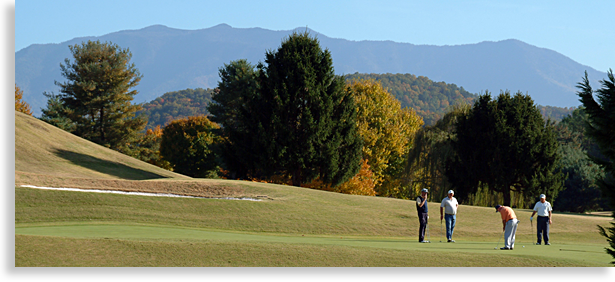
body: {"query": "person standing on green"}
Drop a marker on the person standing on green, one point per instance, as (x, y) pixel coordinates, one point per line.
(543, 208)
(421, 208)
(448, 211)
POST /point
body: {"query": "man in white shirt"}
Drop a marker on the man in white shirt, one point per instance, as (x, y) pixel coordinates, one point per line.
(543, 208)
(449, 207)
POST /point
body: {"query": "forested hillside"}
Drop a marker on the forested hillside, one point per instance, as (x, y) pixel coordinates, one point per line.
(428, 98)
(175, 105)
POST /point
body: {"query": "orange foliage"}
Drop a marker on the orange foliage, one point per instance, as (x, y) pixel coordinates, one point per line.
(157, 132)
(21, 106)
(361, 184)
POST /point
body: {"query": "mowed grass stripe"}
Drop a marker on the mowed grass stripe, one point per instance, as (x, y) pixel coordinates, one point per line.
(42, 251)
(571, 255)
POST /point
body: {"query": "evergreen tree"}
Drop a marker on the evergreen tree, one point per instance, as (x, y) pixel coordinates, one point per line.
(306, 122)
(581, 192)
(97, 96)
(55, 113)
(506, 145)
(231, 107)
(601, 127)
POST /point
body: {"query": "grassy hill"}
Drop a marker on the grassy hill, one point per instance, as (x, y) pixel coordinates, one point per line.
(46, 150)
(290, 227)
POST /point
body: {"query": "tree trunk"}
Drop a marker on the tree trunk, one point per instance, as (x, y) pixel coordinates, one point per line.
(297, 177)
(506, 194)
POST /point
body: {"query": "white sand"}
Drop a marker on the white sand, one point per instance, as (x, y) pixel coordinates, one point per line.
(137, 193)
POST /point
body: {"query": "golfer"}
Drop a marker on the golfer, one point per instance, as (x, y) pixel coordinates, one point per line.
(449, 207)
(543, 208)
(509, 226)
(421, 207)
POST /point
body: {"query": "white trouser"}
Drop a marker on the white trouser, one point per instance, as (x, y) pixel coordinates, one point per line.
(509, 233)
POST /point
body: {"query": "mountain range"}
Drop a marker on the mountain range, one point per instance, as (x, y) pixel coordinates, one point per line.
(174, 59)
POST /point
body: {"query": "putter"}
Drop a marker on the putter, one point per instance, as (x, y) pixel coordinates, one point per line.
(499, 240)
(531, 224)
(428, 236)
(440, 231)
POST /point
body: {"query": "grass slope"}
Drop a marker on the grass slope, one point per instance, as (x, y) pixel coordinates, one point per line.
(44, 149)
(289, 227)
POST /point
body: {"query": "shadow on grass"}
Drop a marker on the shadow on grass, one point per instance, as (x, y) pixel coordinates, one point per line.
(107, 167)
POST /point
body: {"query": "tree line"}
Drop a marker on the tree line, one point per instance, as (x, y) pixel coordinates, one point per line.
(291, 120)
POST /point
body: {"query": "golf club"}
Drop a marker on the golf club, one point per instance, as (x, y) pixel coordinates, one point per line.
(440, 231)
(428, 236)
(531, 224)
(499, 240)
(518, 222)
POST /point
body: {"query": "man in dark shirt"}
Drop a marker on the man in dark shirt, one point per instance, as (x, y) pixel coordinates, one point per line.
(421, 207)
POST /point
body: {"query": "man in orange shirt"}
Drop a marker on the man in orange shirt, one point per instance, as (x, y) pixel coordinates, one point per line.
(509, 226)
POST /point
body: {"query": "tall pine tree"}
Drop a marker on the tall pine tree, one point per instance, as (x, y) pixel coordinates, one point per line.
(306, 123)
(97, 96)
(601, 127)
(231, 107)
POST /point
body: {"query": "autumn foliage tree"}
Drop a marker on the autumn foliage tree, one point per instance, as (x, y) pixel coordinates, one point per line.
(387, 132)
(21, 106)
(362, 183)
(147, 148)
(189, 146)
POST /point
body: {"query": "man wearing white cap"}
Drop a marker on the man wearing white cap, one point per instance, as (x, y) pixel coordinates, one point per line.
(543, 208)
(449, 207)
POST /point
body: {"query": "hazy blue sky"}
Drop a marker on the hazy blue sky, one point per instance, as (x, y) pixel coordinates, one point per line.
(581, 30)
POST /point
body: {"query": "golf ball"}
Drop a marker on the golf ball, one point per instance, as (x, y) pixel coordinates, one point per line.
(524, 246)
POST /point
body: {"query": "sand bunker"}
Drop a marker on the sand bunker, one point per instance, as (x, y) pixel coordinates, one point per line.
(139, 193)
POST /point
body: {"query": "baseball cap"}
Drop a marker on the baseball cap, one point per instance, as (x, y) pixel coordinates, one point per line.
(497, 208)
(543, 196)
(425, 190)
(451, 192)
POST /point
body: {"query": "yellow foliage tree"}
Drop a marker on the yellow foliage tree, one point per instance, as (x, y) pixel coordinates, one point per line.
(387, 131)
(361, 184)
(21, 106)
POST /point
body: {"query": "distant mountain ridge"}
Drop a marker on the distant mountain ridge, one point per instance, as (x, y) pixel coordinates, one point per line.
(174, 59)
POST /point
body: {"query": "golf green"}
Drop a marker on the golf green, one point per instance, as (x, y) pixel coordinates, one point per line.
(585, 254)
